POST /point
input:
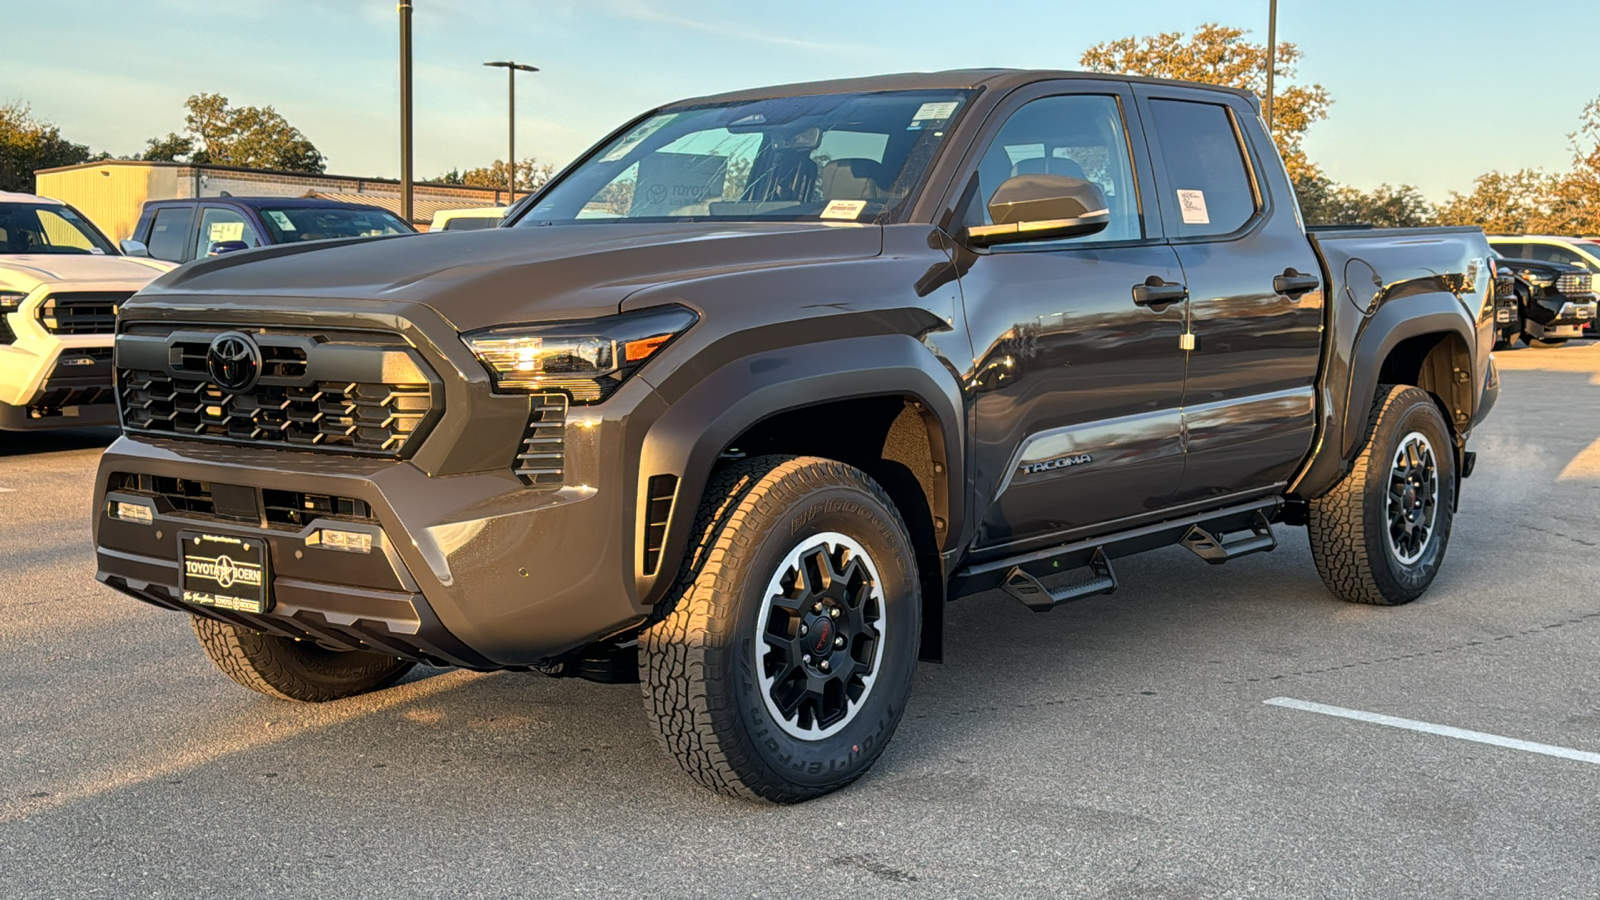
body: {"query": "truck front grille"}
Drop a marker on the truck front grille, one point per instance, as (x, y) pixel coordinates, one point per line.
(82, 312)
(364, 418)
(313, 393)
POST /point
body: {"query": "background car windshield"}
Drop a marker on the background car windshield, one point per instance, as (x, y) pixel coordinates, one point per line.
(314, 223)
(29, 228)
(849, 157)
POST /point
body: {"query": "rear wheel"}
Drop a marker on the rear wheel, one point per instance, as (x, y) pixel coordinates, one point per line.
(785, 663)
(294, 670)
(1380, 535)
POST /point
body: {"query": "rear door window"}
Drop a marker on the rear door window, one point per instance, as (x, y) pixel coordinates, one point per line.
(1207, 189)
(169, 232)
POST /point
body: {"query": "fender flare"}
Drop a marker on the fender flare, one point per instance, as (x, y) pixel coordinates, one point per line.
(1397, 320)
(701, 423)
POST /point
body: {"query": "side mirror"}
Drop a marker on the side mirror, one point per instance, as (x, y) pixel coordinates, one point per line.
(131, 247)
(1037, 207)
(218, 248)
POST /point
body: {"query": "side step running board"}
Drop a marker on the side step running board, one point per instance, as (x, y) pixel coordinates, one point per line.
(1215, 549)
(1035, 596)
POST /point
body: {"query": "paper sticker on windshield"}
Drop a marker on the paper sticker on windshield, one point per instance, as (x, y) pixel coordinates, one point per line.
(1192, 205)
(937, 111)
(637, 137)
(280, 220)
(844, 209)
(226, 231)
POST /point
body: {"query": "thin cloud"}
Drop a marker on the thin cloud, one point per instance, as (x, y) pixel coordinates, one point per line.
(640, 11)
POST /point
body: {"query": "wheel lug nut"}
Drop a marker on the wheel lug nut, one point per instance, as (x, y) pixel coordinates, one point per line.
(803, 630)
(806, 658)
(823, 665)
(816, 607)
(833, 613)
(838, 642)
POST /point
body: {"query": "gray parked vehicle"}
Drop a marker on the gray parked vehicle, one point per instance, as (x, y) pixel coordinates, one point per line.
(739, 400)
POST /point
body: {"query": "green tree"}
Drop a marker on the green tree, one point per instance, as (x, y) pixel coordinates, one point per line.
(252, 137)
(1501, 203)
(531, 175)
(172, 148)
(28, 144)
(1575, 197)
(1218, 54)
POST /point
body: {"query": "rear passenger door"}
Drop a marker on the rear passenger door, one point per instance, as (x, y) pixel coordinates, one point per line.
(1255, 293)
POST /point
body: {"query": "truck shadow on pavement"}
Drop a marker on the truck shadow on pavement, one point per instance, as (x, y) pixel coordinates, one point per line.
(25, 443)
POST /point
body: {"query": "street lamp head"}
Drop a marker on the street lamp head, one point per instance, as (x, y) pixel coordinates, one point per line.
(507, 64)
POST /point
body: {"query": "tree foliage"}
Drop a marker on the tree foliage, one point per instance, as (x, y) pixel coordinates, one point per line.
(28, 144)
(531, 175)
(251, 137)
(1218, 54)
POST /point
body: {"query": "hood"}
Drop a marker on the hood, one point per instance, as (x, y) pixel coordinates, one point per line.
(26, 271)
(500, 276)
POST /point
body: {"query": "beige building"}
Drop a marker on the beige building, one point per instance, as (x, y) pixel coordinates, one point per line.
(111, 192)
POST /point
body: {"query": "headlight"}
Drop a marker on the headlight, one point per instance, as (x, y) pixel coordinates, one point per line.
(586, 360)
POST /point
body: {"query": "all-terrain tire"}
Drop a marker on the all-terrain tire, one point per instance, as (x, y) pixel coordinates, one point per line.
(1350, 527)
(294, 670)
(712, 682)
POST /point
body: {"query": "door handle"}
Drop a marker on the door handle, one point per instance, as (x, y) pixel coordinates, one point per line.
(1293, 283)
(1159, 294)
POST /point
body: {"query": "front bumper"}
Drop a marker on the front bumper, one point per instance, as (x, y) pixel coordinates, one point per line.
(475, 569)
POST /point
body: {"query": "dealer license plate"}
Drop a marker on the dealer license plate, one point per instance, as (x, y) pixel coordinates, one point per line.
(223, 571)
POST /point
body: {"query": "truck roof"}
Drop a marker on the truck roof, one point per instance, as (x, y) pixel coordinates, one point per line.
(952, 79)
(14, 197)
(258, 202)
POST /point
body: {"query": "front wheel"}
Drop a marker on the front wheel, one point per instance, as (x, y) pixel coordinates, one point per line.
(785, 662)
(1380, 535)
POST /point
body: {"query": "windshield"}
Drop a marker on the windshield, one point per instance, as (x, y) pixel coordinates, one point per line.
(42, 228)
(320, 223)
(849, 157)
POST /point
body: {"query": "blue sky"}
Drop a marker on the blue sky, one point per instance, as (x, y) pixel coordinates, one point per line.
(1427, 92)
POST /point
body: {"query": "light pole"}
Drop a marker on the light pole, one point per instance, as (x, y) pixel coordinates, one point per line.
(512, 68)
(405, 111)
(1272, 55)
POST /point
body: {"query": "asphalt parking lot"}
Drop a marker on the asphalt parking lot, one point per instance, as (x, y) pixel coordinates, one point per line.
(1118, 747)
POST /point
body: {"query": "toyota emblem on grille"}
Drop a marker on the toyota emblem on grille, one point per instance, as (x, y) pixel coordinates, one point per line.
(234, 361)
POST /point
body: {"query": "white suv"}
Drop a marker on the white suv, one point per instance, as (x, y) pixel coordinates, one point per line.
(61, 284)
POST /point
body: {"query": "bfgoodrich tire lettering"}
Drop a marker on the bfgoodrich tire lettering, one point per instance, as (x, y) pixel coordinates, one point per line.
(1365, 532)
(703, 666)
(294, 670)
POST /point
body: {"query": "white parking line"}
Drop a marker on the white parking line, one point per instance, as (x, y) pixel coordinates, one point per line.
(1441, 730)
(7, 490)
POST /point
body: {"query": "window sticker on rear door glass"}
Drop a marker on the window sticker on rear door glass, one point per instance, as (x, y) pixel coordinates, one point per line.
(1192, 204)
(226, 231)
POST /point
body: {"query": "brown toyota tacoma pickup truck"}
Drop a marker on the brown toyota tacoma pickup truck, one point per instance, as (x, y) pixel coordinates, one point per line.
(738, 401)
